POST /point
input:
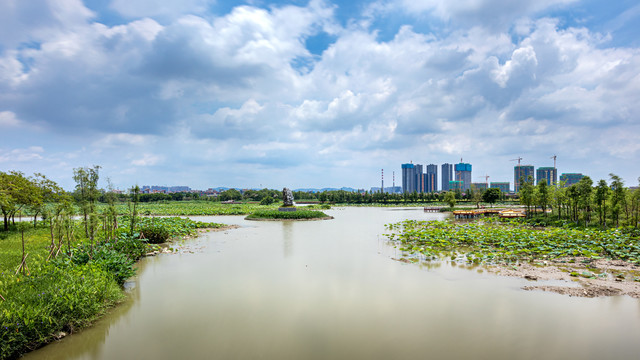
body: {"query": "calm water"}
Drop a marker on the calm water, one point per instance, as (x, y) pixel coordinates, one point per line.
(330, 290)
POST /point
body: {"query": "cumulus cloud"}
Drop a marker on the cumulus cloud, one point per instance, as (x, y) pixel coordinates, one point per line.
(165, 91)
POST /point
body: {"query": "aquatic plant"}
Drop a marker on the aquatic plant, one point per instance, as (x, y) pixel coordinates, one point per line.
(483, 242)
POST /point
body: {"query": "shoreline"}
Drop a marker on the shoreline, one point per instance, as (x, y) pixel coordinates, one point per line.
(600, 278)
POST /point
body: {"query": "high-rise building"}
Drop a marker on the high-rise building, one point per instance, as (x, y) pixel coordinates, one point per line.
(447, 175)
(432, 178)
(420, 178)
(505, 187)
(408, 178)
(455, 185)
(522, 173)
(463, 173)
(571, 178)
(480, 186)
(547, 173)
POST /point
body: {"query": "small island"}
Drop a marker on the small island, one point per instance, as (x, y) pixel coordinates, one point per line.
(288, 212)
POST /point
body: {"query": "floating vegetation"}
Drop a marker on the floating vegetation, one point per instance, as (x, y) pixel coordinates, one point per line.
(479, 242)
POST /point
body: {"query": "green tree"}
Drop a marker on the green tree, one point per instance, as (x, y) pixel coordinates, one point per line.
(87, 193)
(16, 193)
(491, 195)
(601, 194)
(526, 194)
(450, 198)
(542, 195)
(585, 190)
(231, 194)
(134, 199)
(617, 197)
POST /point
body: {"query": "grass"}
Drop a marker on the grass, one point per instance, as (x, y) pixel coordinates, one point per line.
(194, 208)
(287, 215)
(69, 292)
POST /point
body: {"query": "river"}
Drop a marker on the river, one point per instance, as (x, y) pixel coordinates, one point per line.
(331, 290)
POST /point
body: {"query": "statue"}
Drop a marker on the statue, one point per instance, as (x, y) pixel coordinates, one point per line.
(287, 197)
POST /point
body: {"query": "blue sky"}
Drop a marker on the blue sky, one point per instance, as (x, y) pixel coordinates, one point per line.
(317, 93)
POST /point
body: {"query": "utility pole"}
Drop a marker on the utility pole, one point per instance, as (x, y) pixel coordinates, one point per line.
(382, 187)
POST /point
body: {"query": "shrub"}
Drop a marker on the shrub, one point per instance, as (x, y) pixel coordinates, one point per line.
(155, 234)
(267, 200)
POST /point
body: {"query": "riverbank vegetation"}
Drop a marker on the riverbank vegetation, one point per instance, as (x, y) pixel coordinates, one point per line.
(287, 215)
(59, 274)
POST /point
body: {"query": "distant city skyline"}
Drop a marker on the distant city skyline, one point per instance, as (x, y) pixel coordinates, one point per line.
(317, 93)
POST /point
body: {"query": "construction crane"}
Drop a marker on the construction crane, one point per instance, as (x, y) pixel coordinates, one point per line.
(518, 160)
(554, 160)
(486, 179)
(516, 181)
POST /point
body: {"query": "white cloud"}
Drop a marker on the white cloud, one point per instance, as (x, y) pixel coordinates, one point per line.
(147, 160)
(22, 155)
(164, 8)
(8, 120)
(219, 93)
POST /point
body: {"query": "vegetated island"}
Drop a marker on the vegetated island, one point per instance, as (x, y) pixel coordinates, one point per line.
(600, 262)
(298, 215)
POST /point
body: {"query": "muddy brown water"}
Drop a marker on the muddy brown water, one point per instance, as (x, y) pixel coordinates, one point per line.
(330, 290)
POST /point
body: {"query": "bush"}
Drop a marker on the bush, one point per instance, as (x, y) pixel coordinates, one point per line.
(267, 200)
(155, 234)
(37, 307)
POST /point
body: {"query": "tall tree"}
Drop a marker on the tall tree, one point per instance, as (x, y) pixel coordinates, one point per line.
(617, 197)
(601, 194)
(585, 190)
(526, 194)
(87, 192)
(16, 192)
(450, 198)
(542, 195)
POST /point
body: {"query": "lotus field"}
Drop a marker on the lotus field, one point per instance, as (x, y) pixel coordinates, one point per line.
(194, 208)
(490, 243)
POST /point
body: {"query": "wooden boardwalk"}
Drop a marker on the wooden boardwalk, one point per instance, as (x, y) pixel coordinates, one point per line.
(475, 213)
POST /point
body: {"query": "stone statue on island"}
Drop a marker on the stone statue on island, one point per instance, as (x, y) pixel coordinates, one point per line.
(287, 199)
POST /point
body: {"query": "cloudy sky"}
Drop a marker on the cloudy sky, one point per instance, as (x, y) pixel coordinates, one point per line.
(316, 93)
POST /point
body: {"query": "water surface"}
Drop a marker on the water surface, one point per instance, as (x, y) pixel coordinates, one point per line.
(330, 289)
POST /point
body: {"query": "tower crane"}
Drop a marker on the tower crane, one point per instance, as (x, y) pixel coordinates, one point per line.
(516, 181)
(486, 179)
(518, 160)
(554, 160)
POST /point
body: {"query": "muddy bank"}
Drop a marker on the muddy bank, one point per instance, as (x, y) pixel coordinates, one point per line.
(583, 277)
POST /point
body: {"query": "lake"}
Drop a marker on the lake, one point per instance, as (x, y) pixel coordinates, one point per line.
(331, 290)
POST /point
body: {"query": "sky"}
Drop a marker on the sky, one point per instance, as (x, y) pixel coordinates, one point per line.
(302, 94)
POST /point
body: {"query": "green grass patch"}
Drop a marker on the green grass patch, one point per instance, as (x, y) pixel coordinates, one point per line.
(68, 292)
(195, 208)
(287, 215)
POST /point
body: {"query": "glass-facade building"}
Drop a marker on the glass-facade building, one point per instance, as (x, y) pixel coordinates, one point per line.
(447, 175)
(522, 173)
(571, 178)
(505, 187)
(432, 178)
(463, 174)
(408, 178)
(550, 174)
